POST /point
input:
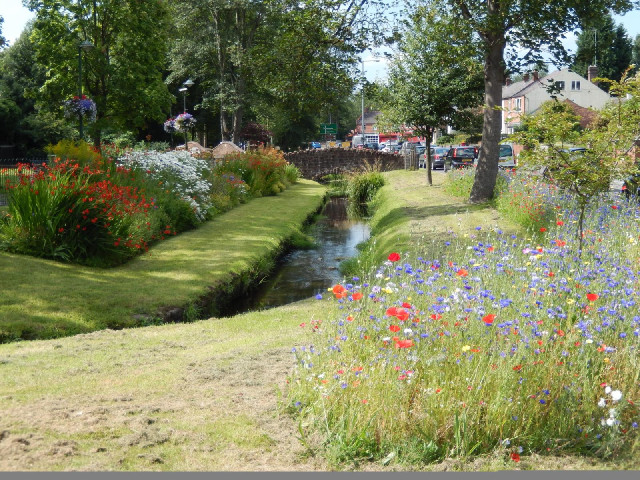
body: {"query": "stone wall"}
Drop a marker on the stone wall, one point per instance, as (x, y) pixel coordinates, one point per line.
(316, 163)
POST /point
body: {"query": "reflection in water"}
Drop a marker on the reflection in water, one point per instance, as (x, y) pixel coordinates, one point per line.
(305, 273)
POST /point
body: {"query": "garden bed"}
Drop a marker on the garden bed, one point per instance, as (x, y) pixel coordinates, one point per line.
(42, 298)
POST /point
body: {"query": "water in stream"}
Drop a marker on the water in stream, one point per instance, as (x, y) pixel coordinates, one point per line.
(304, 273)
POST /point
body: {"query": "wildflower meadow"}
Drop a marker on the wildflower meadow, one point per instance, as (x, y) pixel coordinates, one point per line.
(490, 343)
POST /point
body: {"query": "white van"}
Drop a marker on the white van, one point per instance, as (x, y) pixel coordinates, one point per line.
(506, 159)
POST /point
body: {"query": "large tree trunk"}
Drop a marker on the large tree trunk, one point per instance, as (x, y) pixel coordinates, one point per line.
(487, 169)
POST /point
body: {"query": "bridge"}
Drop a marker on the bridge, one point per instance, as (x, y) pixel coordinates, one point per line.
(316, 163)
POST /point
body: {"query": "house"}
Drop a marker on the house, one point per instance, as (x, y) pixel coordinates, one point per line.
(372, 133)
(527, 95)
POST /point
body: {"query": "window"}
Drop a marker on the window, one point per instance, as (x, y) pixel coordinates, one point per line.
(560, 85)
(518, 104)
(575, 85)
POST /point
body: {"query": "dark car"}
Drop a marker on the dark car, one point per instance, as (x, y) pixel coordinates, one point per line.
(437, 157)
(371, 146)
(460, 157)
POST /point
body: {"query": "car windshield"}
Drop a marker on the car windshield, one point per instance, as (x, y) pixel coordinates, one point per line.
(439, 150)
(465, 152)
(506, 150)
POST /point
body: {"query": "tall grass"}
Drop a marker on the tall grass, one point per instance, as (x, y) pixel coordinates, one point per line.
(504, 343)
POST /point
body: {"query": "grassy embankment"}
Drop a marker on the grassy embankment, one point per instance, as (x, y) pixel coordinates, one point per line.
(46, 299)
(202, 395)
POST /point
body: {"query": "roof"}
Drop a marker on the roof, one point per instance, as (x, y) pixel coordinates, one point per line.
(587, 115)
(518, 89)
(225, 148)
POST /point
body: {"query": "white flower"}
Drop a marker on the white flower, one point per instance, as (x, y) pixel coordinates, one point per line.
(602, 403)
(408, 331)
(616, 395)
(612, 412)
(607, 389)
(610, 421)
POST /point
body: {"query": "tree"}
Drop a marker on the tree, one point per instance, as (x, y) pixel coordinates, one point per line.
(603, 44)
(532, 25)
(435, 79)
(549, 132)
(3, 40)
(123, 73)
(635, 52)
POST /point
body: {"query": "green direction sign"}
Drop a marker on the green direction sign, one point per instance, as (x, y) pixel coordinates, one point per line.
(328, 128)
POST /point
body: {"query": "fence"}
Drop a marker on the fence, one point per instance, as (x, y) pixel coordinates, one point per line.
(9, 172)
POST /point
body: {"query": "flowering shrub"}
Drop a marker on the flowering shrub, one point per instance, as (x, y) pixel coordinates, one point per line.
(263, 170)
(176, 171)
(170, 125)
(502, 342)
(74, 213)
(80, 106)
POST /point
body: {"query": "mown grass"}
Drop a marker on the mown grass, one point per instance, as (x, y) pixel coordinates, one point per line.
(46, 299)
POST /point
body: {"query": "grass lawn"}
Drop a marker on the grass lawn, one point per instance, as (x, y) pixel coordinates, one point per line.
(46, 299)
(203, 396)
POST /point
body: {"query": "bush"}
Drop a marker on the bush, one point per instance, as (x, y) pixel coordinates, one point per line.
(363, 187)
(70, 213)
(81, 152)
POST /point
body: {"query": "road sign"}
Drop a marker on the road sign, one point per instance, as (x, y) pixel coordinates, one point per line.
(328, 128)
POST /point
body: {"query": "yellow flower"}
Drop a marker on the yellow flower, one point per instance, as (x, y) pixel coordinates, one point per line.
(570, 301)
(606, 360)
(466, 348)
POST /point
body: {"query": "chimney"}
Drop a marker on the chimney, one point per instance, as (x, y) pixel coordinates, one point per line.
(525, 77)
(592, 72)
(536, 75)
(507, 81)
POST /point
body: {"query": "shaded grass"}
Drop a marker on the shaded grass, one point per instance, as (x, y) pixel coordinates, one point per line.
(45, 299)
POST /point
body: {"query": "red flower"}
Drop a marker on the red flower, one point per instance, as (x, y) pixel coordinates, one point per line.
(338, 289)
(402, 315)
(542, 229)
(394, 328)
(462, 273)
(407, 305)
(394, 257)
(560, 222)
(615, 207)
(592, 297)
(560, 243)
(436, 316)
(404, 344)
(517, 368)
(392, 311)
(515, 457)
(489, 249)
(357, 296)
(60, 230)
(488, 319)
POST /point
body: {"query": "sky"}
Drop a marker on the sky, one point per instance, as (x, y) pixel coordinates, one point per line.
(16, 16)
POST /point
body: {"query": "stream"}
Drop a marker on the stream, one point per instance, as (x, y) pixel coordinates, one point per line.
(302, 274)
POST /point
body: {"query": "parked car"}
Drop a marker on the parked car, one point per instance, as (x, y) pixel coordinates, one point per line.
(437, 157)
(371, 146)
(316, 145)
(460, 156)
(506, 157)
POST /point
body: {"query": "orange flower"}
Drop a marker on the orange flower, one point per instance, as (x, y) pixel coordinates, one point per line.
(394, 328)
(462, 273)
(404, 344)
(488, 319)
(357, 296)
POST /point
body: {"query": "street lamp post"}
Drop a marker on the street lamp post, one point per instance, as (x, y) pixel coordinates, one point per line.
(85, 46)
(188, 83)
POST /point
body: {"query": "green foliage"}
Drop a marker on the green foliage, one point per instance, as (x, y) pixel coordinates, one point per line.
(603, 44)
(122, 74)
(80, 151)
(338, 184)
(363, 187)
(263, 170)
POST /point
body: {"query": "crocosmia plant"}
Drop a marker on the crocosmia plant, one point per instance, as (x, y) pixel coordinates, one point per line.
(80, 105)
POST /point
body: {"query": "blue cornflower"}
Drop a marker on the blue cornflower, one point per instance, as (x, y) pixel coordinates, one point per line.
(318, 297)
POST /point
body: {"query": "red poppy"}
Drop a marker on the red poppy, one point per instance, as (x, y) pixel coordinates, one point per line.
(462, 273)
(490, 249)
(394, 328)
(542, 229)
(436, 316)
(338, 289)
(488, 319)
(357, 296)
(560, 243)
(560, 333)
(404, 343)
(394, 257)
(515, 457)
(517, 368)
(592, 297)
(551, 274)
(392, 312)
(402, 315)
(560, 222)
(407, 305)
(615, 207)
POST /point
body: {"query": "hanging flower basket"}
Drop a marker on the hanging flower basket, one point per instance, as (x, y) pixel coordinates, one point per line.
(170, 125)
(184, 122)
(82, 106)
